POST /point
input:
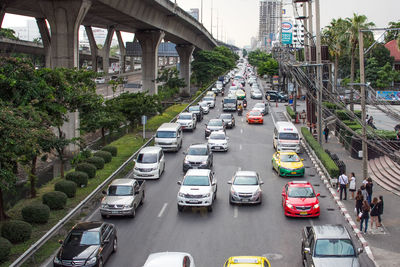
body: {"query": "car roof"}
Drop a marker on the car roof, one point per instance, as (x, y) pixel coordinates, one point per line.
(286, 152)
(332, 231)
(123, 182)
(299, 184)
(244, 261)
(88, 225)
(215, 120)
(198, 145)
(198, 172)
(246, 173)
(150, 149)
(186, 113)
(217, 132)
(165, 259)
(169, 126)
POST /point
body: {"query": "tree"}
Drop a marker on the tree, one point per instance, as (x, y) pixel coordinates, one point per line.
(392, 35)
(387, 75)
(244, 52)
(269, 67)
(171, 83)
(8, 33)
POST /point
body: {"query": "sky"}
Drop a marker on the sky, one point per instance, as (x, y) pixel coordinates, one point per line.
(238, 19)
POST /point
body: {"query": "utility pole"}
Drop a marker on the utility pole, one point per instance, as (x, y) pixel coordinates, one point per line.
(201, 7)
(319, 71)
(310, 29)
(363, 109)
(211, 18)
(305, 32)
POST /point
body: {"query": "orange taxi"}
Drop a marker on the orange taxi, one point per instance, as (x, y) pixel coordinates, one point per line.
(254, 116)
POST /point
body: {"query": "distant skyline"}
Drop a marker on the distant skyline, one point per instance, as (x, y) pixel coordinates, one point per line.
(238, 19)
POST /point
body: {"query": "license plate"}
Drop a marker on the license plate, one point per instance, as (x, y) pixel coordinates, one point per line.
(293, 173)
(303, 213)
(245, 200)
(194, 202)
(218, 147)
(114, 212)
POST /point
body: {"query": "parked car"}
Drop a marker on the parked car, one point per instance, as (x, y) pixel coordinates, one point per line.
(288, 164)
(205, 107)
(149, 164)
(169, 259)
(245, 261)
(214, 125)
(198, 111)
(299, 200)
(198, 156)
(87, 244)
(122, 198)
(245, 188)
(228, 119)
(328, 245)
(218, 141)
(187, 120)
(276, 96)
(100, 80)
(198, 189)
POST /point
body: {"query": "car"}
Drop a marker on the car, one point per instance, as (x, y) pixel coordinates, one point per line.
(210, 101)
(122, 198)
(262, 107)
(287, 163)
(187, 120)
(214, 125)
(198, 189)
(218, 141)
(328, 245)
(198, 156)
(228, 119)
(254, 116)
(247, 261)
(240, 94)
(149, 164)
(245, 188)
(205, 107)
(211, 94)
(169, 259)
(198, 111)
(100, 80)
(255, 94)
(87, 244)
(229, 103)
(299, 200)
(276, 96)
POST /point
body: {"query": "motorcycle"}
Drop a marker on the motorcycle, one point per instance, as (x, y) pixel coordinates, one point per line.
(240, 111)
(222, 93)
(244, 105)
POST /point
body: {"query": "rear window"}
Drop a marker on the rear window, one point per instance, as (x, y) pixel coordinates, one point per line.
(194, 108)
(334, 248)
(229, 100)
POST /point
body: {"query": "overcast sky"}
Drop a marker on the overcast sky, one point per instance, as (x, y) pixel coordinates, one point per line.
(238, 19)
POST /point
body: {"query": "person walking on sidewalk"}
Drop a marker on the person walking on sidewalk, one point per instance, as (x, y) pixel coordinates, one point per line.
(343, 181)
(326, 133)
(368, 187)
(359, 201)
(364, 216)
(374, 213)
(352, 185)
(380, 209)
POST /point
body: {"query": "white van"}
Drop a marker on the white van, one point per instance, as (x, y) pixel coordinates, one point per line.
(169, 137)
(286, 137)
(149, 164)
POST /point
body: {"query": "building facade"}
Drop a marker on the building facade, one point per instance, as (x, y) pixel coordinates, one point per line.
(269, 17)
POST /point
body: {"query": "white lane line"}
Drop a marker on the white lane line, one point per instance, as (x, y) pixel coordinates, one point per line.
(242, 120)
(241, 131)
(162, 210)
(240, 147)
(235, 212)
(91, 215)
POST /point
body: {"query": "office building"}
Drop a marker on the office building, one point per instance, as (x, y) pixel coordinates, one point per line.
(268, 23)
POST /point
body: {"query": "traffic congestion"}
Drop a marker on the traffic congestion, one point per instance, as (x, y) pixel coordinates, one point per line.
(227, 184)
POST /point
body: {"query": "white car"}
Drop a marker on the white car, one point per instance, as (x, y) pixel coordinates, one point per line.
(149, 164)
(245, 188)
(198, 189)
(218, 141)
(205, 107)
(100, 80)
(187, 120)
(169, 259)
(210, 101)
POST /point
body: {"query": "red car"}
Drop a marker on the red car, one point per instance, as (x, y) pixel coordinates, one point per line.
(299, 200)
(254, 116)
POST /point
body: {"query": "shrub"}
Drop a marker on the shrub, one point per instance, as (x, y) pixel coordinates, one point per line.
(96, 161)
(16, 231)
(349, 122)
(67, 187)
(56, 200)
(326, 160)
(5, 247)
(345, 115)
(36, 213)
(88, 168)
(80, 178)
(330, 106)
(290, 112)
(105, 155)
(112, 149)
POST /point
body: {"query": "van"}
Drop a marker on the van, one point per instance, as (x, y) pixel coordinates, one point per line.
(229, 103)
(149, 164)
(286, 137)
(169, 137)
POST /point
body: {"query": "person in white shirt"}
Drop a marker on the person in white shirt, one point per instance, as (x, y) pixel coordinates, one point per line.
(352, 185)
(343, 181)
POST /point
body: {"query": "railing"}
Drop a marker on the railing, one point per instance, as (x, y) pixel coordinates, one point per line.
(35, 247)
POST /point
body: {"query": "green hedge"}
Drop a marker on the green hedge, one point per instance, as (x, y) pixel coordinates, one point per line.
(384, 134)
(67, 187)
(5, 248)
(80, 178)
(88, 168)
(105, 155)
(290, 112)
(96, 161)
(56, 200)
(154, 122)
(345, 115)
(112, 149)
(330, 106)
(326, 160)
(16, 231)
(36, 213)
(350, 122)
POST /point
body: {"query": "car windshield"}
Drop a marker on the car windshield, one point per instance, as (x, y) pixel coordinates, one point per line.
(166, 134)
(255, 113)
(215, 123)
(259, 105)
(86, 238)
(240, 92)
(194, 108)
(290, 158)
(203, 104)
(197, 151)
(225, 116)
(245, 180)
(217, 136)
(147, 158)
(334, 248)
(185, 117)
(208, 98)
(300, 192)
(289, 136)
(120, 190)
(196, 181)
(229, 100)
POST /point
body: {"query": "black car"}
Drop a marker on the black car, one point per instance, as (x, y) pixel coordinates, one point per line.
(198, 111)
(87, 244)
(228, 119)
(276, 96)
(198, 156)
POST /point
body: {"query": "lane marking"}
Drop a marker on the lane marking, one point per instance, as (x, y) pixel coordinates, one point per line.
(240, 147)
(235, 212)
(91, 215)
(241, 131)
(242, 120)
(162, 210)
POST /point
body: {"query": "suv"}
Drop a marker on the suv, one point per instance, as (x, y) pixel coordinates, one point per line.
(198, 111)
(214, 125)
(328, 245)
(198, 156)
(276, 96)
(187, 120)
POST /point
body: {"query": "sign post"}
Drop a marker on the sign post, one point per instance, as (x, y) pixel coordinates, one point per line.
(144, 121)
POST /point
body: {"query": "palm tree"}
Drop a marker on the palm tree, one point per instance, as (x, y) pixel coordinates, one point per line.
(357, 22)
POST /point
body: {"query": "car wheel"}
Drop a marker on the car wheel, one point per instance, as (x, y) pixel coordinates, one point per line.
(133, 214)
(210, 208)
(180, 208)
(115, 245)
(103, 216)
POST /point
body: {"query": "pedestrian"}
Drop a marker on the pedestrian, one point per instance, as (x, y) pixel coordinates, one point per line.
(366, 119)
(380, 209)
(374, 213)
(370, 122)
(359, 201)
(368, 187)
(343, 181)
(364, 216)
(365, 181)
(303, 116)
(326, 133)
(364, 192)
(398, 135)
(352, 185)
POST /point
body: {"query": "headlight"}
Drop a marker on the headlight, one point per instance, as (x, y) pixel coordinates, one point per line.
(136, 168)
(290, 206)
(233, 192)
(186, 161)
(104, 206)
(208, 130)
(204, 162)
(57, 260)
(91, 261)
(206, 195)
(316, 206)
(174, 143)
(258, 191)
(128, 206)
(181, 194)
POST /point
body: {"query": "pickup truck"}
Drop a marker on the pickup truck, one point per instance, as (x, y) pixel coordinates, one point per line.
(122, 198)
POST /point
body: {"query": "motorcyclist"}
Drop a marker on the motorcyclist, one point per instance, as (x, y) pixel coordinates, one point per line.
(240, 109)
(244, 103)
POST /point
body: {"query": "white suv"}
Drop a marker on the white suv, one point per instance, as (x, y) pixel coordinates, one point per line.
(187, 120)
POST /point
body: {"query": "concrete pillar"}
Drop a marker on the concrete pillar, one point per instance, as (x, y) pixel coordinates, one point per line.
(185, 54)
(122, 51)
(94, 51)
(149, 41)
(2, 13)
(45, 35)
(105, 51)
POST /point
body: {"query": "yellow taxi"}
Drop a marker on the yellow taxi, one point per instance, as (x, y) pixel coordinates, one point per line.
(247, 261)
(288, 163)
(240, 94)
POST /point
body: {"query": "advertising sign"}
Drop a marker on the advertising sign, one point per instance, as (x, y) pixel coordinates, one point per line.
(388, 95)
(287, 29)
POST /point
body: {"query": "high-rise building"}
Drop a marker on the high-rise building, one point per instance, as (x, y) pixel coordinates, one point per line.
(29, 32)
(269, 22)
(194, 12)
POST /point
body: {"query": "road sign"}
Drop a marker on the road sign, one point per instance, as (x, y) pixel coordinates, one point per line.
(144, 119)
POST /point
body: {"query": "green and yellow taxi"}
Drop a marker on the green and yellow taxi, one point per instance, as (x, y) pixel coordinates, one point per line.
(288, 164)
(247, 261)
(240, 94)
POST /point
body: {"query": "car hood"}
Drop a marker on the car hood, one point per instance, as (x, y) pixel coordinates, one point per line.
(302, 201)
(146, 165)
(336, 261)
(292, 165)
(215, 128)
(196, 158)
(215, 141)
(260, 109)
(117, 200)
(254, 117)
(69, 252)
(183, 121)
(195, 190)
(245, 188)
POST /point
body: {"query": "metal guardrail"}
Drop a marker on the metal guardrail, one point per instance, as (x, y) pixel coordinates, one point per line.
(38, 244)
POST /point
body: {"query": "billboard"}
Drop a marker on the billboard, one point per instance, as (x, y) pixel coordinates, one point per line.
(388, 95)
(287, 32)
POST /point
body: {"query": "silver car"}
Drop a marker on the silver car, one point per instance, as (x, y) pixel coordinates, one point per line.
(245, 188)
(262, 107)
(210, 101)
(205, 107)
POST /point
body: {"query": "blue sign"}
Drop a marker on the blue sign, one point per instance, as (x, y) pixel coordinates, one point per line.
(286, 38)
(388, 95)
(144, 119)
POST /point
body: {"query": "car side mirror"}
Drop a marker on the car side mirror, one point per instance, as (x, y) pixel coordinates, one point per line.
(213, 183)
(179, 183)
(261, 182)
(227, 138)
(229, 182)
(318, 194)
(104, 192)
(283, 194)
(60, 242)
(276, 137)
(134, 160)
(307, 250)
(302, 159)
(360, 250)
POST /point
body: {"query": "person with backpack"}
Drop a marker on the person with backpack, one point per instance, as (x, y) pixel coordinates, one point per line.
(368, 187)
(364, 216)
